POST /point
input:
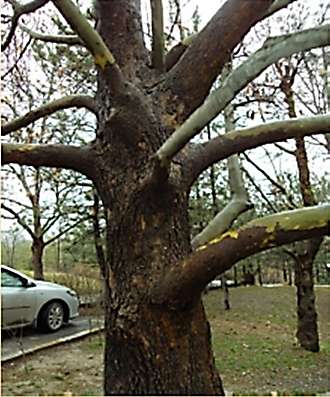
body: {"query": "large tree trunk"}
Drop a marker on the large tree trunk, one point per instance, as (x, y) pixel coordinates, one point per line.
(152, 349)
(37, 249)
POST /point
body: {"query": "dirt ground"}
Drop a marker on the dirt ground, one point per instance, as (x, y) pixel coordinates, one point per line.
(72, 369)
(254, 347)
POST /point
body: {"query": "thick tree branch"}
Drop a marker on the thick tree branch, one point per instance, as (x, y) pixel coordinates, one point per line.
(57, 39)
(157, 55)
(277, 5)
(79, 159)
(19, 10)
(177, 51)
(272, 50)
(185, 281)
(77, 101)
(211, 50)
(203, 155)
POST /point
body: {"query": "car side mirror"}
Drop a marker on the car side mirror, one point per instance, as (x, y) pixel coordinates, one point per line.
(28, 283)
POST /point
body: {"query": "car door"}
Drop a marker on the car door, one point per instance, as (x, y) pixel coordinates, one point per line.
(18, 301)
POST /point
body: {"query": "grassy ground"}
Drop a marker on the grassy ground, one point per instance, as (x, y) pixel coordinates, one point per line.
(254, 347)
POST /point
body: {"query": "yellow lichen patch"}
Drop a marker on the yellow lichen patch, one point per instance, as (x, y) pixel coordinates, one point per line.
(103, 59)
(26, 148)
(170, 121)
(143, 223)
(230, 234)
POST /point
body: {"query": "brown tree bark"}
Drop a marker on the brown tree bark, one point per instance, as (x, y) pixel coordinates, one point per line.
(37, 249)
(157, 336)
(307, 329)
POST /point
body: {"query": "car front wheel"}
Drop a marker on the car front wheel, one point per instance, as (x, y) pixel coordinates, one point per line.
(52, 317)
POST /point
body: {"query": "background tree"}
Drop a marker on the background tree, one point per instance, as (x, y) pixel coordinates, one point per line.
(143, 165)
(47, 214)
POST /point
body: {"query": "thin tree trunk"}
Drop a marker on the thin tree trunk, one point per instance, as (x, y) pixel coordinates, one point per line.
(225, 293)
(235, 276)
(307, 333)
(37, 249)
(307, 329)
(290, 282)
(259, 271)
(285, 273)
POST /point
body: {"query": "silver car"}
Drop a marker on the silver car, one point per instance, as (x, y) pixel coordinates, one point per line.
(25, 301)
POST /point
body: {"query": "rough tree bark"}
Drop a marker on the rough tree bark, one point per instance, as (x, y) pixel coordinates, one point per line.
(157, 335)
(37, 249)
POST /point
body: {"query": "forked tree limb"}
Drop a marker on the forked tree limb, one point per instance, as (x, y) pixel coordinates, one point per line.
(239, 200)
(76, 158)
(19, 10)
(18, 218)
(177, 51)
(70, 101)
(272, 50)
(184, 282)
(210, 51)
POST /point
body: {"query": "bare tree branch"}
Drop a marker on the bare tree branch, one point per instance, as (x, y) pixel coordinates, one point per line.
(260, 191)
(19, 10)
(177, 51)
(203, 155)
(272, 50)
(79, 159)
(18, 219)
(157, 54)
(186, 280)
(67, 229)
(277, 185)
(239, 201)
(210, 51)
(57, 39)
(78, 101)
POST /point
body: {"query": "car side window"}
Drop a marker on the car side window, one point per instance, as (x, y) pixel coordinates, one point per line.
(10, 280)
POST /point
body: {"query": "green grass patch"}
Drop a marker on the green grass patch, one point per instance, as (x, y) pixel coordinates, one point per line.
(255, 347)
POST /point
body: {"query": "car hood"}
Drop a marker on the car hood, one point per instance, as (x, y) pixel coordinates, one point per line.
(49, 284)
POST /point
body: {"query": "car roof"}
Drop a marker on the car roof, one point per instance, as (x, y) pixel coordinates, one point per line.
(11, 269)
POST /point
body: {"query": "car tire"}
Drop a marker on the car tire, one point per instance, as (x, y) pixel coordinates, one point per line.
(52, 317)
